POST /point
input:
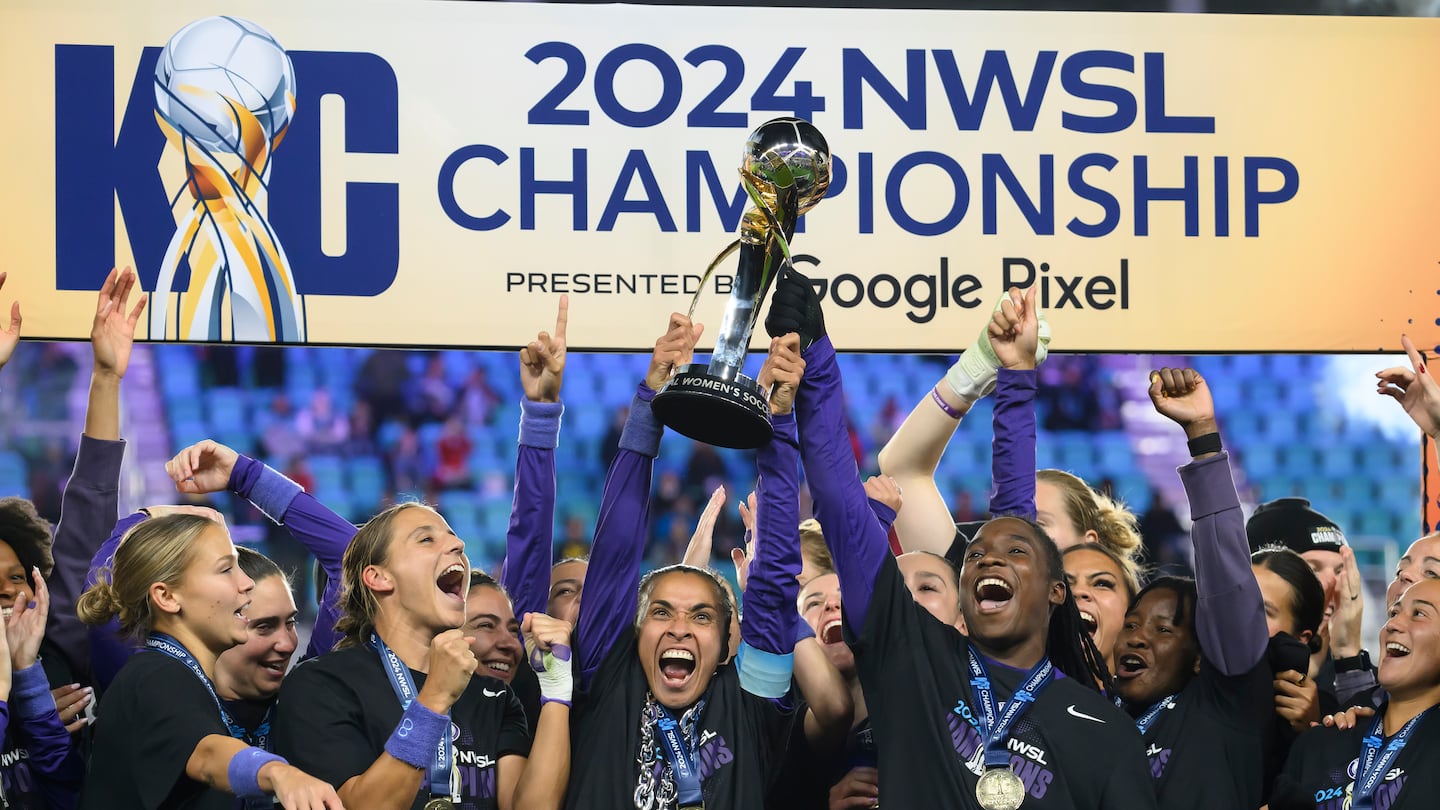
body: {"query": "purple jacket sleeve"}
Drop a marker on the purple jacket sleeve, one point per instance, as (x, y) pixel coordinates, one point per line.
(530, 543)
(324, 534)
(109, 650)
(857, 540)
(1230, 619)
(613, 578)
(768, 622)
(53, 754)
(1013, 458)
(87, 512)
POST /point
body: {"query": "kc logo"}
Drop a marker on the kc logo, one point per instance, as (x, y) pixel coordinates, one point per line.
(224, 94)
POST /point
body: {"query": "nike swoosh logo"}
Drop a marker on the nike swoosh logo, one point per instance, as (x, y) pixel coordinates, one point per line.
(1083, 716)
(488, 693)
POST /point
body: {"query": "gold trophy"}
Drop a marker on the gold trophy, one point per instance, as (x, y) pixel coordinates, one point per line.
(786, 171)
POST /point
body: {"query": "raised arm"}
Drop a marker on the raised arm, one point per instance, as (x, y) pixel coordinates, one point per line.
(529, 542)
(613, 578)
(767, 627)
(1230, 618)
(1416, 390)
(1014, 333)
(90, 503)
(858, 543)
(210, 467)
(913, 453)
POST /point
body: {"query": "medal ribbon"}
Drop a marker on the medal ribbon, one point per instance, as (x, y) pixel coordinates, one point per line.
(996, 732)
(1145, 720)
(682, 756)
(1379, 757)
(168, 645)
(440, 773)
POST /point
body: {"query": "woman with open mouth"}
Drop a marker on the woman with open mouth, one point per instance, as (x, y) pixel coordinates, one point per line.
(979, 720)
(393, 717)
(1190, 659)
(164, 737)
(1103, 586)
(1388, 760)
(663, 720)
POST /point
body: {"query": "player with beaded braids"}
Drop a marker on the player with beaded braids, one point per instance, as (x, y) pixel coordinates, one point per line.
(1017, 700)
(662, 720)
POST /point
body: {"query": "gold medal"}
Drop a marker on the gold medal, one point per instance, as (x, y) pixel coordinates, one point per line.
(439, 804)
(999, 789)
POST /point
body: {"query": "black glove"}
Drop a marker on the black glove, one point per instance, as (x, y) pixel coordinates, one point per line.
(795, 308)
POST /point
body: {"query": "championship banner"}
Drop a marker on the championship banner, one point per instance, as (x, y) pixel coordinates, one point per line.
(435, 174)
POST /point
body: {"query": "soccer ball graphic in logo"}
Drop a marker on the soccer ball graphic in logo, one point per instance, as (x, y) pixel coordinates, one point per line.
(224, 94)
(214, 63)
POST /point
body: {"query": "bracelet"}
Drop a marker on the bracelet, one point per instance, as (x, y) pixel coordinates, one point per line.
(244, 771)
(1201, 445)
(944, 406)
(413, 741)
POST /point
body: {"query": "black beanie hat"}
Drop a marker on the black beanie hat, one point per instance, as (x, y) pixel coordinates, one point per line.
(1290, 522)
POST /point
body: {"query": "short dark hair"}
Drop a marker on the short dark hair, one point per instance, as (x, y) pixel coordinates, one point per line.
(28, 535)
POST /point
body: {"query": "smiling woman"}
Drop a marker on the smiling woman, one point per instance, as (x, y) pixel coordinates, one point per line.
(176, 581)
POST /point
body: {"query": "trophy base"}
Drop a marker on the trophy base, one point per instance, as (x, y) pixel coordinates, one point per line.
(724, 413)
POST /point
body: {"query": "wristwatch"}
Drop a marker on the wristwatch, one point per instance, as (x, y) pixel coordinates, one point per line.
(1354, 663)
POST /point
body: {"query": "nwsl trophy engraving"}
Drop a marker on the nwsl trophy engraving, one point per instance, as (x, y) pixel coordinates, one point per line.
(786, 171)
(224, 94)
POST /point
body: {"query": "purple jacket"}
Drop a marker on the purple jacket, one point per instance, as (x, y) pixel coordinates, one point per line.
(322, 532)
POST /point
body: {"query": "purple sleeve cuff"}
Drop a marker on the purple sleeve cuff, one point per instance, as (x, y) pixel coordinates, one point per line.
(30, 691)
(642, 433)
(769, 620)
(266, 488)
(540, 424)
(883, 513)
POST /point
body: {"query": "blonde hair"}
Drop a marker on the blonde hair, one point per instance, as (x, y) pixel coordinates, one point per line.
(156, 550)
(812, 546)
(1115, 526)
(370, 546)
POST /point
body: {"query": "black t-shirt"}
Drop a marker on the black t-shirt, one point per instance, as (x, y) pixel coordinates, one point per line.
(1073, 749)
(741, 736)
(807, 775)
(337, 711)
(526, 685)
(151, 719)
(1210, 748)
(1323, 763)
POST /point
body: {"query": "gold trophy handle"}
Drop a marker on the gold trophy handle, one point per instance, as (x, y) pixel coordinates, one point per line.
(710, 271)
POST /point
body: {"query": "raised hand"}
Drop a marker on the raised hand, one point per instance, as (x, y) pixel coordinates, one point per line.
(795, 307)
(782, 372)
(10, 337)
(883, 488)
(701, 542)
(1414, 388)
(1349, 608)
(1181, 395)
(25, 628)
(547, 645)
(202, 467)
(542, 362)
(112, 336)
(674, 348)
(1015, 329)
(743, 556)
(860, 788)
(451, 665)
